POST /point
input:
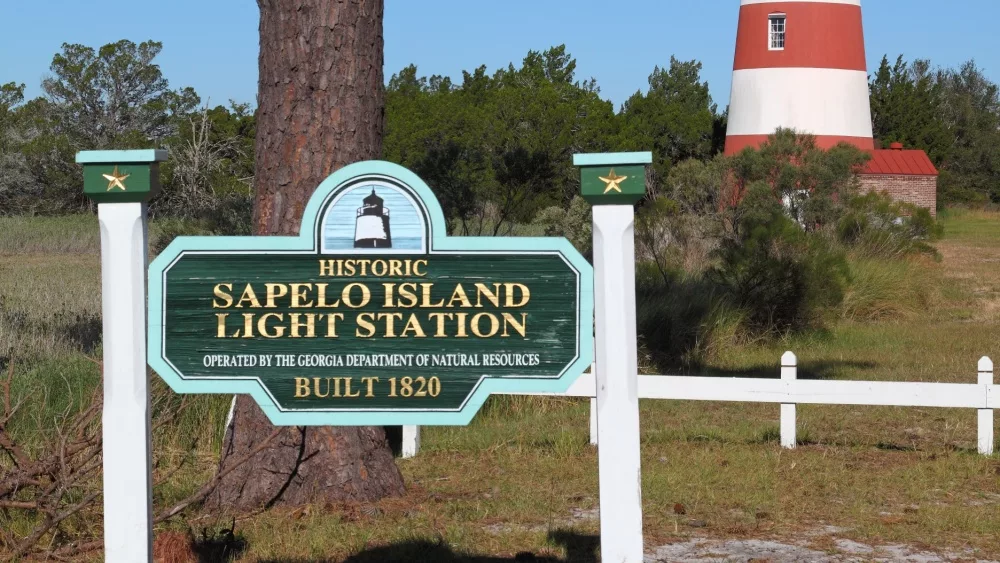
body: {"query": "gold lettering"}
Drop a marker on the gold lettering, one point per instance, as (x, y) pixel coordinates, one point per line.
(412, 325)
(366, 295)
(321, 298)
(375, 267)
(390, 325)
(275, 290)
(525, 294)
(494, 325)
(247, 325)
(326, 268)
(316, 387)
(426, 293)
(460, 321)
(365, 321)
(369, 381)
(439, 317)
(220, 331)
(301, 387)
(331, 324)
(509, 319)
(395, 268)
(347, 389)
(279, 330)
(300, 292)
(416, 265)
(228, 299)
(248, 295)
(407, 291)
(388, 294)
(459, 294)
(310, 325)
(493, 296)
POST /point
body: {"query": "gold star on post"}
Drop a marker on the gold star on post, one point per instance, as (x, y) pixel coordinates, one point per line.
(612, 181)
(116, 180)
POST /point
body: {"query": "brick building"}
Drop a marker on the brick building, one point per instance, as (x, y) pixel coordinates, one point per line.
(906, 175)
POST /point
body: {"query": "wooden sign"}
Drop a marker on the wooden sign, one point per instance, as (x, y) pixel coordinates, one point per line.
(613, 178)
(372, 315)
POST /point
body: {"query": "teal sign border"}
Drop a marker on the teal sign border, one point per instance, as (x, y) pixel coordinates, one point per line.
(307, 241)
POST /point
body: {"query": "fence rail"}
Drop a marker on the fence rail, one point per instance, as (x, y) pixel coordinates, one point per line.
(789, 391)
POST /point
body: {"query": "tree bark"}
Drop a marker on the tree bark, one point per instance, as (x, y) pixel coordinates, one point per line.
(320, 107)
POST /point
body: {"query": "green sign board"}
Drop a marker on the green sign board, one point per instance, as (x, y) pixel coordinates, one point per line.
(613, 178)
(121, 176)
(371, 315)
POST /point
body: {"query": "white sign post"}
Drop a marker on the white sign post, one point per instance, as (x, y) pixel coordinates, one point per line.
(613, 194)
(128, 500)
(121, 182)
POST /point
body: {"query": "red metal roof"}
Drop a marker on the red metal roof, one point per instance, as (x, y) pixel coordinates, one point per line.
(902, 162)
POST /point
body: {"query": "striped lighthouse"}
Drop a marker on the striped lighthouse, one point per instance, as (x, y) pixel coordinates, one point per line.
(800, 64)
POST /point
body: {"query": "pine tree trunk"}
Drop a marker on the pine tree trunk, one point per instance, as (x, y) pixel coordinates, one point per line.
(320, 107)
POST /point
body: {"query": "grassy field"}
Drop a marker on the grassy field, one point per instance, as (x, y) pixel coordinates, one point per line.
(522, 478)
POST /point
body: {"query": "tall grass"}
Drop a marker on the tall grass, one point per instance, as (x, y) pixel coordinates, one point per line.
(68, 234)
(51, 329)
(882, 290)
(76, 234)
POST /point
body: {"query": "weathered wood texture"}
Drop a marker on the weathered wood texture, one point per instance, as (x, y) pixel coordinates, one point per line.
(320, 107)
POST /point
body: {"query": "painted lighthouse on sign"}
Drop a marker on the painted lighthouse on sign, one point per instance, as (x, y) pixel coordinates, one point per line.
(372, 229)
(373, 218)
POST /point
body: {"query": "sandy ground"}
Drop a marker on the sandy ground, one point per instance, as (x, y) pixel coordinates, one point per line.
(703, 550)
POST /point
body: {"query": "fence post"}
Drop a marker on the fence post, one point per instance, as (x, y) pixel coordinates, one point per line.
(411, 441)
(121, 182)
(986, 439)
(788, 374)
(613, 194)
(593, 421)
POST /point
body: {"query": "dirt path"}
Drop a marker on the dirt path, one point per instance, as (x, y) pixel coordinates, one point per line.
(833, 549)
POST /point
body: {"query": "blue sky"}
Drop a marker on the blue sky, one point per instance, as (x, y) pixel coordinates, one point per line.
(212, 44)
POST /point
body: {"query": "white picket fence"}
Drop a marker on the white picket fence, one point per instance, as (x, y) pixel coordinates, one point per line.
(789, 391)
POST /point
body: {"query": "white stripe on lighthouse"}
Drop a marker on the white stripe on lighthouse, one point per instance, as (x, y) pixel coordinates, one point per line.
(819, 101)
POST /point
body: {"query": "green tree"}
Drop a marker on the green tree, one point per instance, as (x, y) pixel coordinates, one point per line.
(906, 105)
(497, 148)
(675, 118)
(112, 97)
(209, 174)
(813, 184)
(970, 108)
(115, 96)
(15, 181)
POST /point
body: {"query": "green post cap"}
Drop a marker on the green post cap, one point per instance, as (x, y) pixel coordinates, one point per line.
(121, 176)
(613, 178)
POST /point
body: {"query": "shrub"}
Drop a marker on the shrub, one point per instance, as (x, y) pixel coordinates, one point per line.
(875, 226)
(166, 230)
(781, 276)
(574, 223)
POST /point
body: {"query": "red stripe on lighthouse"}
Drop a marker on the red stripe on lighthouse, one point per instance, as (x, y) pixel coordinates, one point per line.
(736, 143)
(818, 35)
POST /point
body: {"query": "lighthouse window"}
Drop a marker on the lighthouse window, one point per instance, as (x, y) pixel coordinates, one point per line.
(777, 32)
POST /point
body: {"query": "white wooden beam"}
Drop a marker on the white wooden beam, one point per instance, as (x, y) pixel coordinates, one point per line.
(619, 474)
(787, 423)
(986, 437)
(411, 441)
(128, 501)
